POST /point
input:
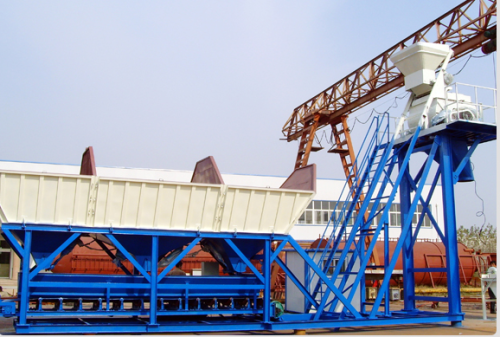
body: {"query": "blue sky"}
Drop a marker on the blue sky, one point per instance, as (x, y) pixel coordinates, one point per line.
(163, 84)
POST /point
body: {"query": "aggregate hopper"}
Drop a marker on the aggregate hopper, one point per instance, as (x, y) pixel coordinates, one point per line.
(151, 225)
(205, 204)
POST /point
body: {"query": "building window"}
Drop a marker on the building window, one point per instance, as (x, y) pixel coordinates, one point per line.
(5, 258)
(378, 213)
(333, 265)
(339, 216)
(395, 216)
(317, 213)
(427, 221)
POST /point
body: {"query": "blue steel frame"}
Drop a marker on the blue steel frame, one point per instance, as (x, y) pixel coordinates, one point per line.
(445, 149)
(148, 285)
(451, 147)
(242, 302)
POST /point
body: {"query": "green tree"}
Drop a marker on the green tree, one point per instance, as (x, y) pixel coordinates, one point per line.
(482, 238)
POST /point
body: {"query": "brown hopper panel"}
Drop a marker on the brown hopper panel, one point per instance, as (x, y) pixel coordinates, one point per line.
(88, 163)
(303, 178)
(206, 172)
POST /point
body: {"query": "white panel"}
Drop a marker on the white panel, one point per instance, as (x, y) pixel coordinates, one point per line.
(211, 206)
(29, 201)
(227, 210)
(40, 198)
(181, 207)
(240, 210)
(130, 208)
(294, 299)
(255, 210)
(104, 202)
(269, 212)
(47, 201)
(147, 205)
(65, 200)
(165, 206)
(101, 202)
(196, 207)
(302, 200)
(10, 198)
(81, 201)
(114, 203)
(263, 210)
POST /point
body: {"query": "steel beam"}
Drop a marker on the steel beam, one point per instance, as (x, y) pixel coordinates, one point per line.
(153, 299)
(24, 280)
(450, 229)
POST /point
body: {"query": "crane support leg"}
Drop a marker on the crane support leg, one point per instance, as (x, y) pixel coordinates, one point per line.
(345, 149)
(306, 142)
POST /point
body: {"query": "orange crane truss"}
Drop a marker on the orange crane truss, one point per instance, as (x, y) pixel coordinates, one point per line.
(462, 28)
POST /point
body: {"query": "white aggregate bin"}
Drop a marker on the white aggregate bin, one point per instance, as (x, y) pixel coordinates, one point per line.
(44, 198)
(103, 202)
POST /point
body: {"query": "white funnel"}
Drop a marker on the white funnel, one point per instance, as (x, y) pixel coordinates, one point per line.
(418, 64)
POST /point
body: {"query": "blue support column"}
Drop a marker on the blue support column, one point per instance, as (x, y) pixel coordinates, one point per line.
(266, 271)
(450, 228)
(154, 284)
(386, 263)
(25, 268)
(407, 254)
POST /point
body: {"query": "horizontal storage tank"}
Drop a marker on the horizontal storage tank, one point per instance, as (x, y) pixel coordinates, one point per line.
(428, 254)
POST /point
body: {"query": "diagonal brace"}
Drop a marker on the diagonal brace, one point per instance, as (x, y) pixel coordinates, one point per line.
(112, 256)
(324, 278)
(11, 239)
(428, 212)
(278, 250)
(45, 263)
(244, 258)
(177, 259)
(297, 282)
(129, 257)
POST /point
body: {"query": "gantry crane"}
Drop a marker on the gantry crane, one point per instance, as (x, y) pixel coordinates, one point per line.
(465, 28)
